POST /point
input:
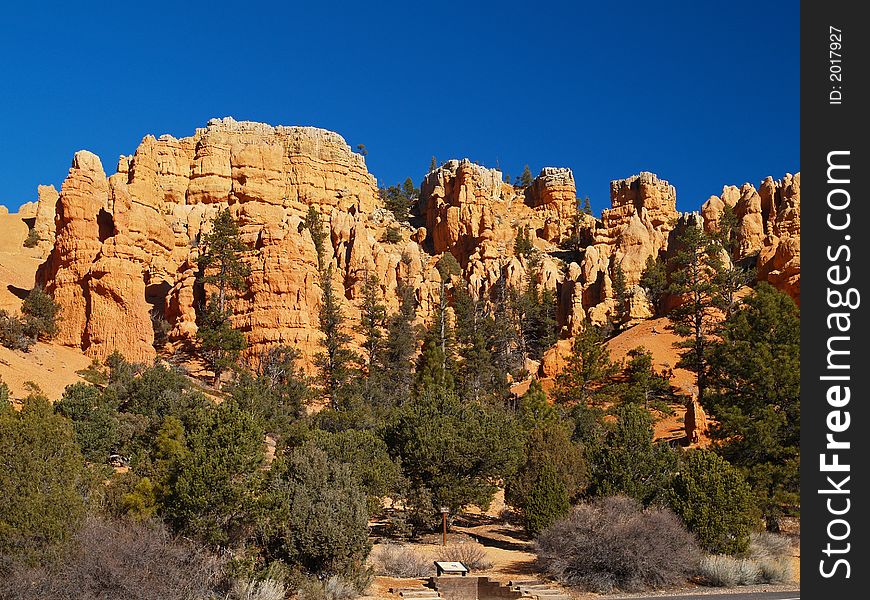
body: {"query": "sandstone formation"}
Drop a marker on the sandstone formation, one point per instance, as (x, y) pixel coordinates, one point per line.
(768, 228)
(124, 248)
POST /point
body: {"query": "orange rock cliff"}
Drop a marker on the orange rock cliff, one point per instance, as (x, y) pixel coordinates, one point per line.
(121, 250)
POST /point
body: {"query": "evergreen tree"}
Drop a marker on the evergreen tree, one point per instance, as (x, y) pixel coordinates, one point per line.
(535, 410)
(654, 281)
(547, 502)
(526, 178)
(475, 341)
(523, 244)
(314, 513)
(586, 377)
(275, 394)
(220, 258)
(714, 501)
(399, 198)
(94, 420)
(643, 385)
(727, 232)
(434, 370)
(220, 343)
(547, 447)
(337, 361)
(314, 224)
(433, 165)
(629, 462)
(695, 269)
(447, 268)
(455, 450)
(373, 316)
(40, 314)
(221, 265)
(754, 397)
(378, 474)
(214, 483)
(586, 208)
(622, 297)
(42, 478)
(401, 347)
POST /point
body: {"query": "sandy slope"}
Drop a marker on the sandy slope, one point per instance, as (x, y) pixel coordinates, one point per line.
(49, 366)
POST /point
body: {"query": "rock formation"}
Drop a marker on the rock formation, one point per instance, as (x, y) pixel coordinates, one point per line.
(768, 228)
(124, 248)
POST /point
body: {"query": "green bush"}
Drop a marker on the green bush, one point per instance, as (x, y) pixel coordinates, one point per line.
(214, 479)
(547, 501)
(314, 513)
(41, 314)
(392, 235)
(42, 477)
(32, 239)
(714, 501)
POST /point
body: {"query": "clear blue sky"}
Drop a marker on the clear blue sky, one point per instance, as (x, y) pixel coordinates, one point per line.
(701, 93)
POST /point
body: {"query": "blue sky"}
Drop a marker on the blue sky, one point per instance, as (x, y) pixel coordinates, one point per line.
(701, 93)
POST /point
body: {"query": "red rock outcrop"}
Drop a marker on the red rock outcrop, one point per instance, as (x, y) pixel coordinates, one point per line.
(124, 248)
(768, 228)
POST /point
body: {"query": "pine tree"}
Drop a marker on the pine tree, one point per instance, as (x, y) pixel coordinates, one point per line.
(314, 224)
(714, 501)
(547, 502)
(643, 385)
(220, 343)
(373, 315)
(695, 271)
(526, 178)
(522, 243)
(433, 165)
(535, 410)
(220, 260)
(754, 397)
(447, 268)
(401, 347)
(629, 462)
(337, 361)
(654, 281)
(221, 265)
(214, 483)
(399, 198)
(453, 449)
(586, 377)
(547, 446)
(621, 296)
(475, 345)
(586, 209)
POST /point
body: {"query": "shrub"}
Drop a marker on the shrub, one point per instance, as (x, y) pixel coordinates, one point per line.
(613, 543)
(470, 554)
(335, 587)
(714, 501)
(12, 332)
(722, 570)
(40, 314)
(32, 239)
(776, 570)
(315, 512)
(396, 560)
(392, 235)
(768, 545)
(118, 559)
(267, 589)
(41, 478)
